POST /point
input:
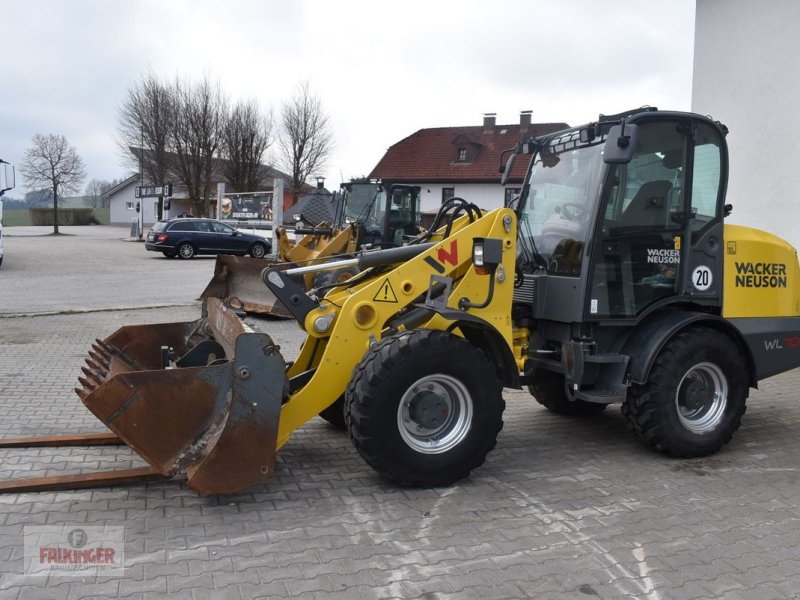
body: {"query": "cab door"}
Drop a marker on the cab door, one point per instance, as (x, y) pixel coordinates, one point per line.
(660, 223)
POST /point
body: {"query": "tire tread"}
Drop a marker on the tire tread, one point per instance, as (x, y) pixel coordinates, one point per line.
(363, 399)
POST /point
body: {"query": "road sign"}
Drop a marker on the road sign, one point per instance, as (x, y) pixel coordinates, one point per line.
(153, 191)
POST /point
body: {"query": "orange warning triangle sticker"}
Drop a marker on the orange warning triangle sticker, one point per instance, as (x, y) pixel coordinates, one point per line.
(385, 293)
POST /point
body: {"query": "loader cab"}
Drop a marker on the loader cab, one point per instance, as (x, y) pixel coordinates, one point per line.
(402, 214)
(614, 232)
(387, 215)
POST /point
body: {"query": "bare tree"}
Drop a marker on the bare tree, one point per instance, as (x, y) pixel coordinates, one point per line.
(246, 136)
(51, 162)
(95, 190)
(305, 137)
(199, 116)
(145, 128)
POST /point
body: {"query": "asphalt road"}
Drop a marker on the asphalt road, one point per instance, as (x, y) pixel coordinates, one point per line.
(92, 268)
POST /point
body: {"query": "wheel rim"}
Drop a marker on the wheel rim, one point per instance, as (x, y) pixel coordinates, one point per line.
(343, 276)
(435, 414)
(702, 397)
(186, 251)
(258, 251)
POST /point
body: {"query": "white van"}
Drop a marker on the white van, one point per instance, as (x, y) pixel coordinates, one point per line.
(6, 183)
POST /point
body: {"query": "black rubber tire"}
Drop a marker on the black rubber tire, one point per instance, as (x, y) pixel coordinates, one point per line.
(185, 250)
(334, 414)
(334, 276)
(548, 390)
(652, 409)
(373, 405)
(258, 250)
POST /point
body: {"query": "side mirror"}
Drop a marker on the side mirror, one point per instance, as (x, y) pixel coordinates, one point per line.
(507, 171)
(620, 143)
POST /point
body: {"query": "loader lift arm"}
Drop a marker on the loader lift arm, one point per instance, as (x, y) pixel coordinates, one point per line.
(360, 316)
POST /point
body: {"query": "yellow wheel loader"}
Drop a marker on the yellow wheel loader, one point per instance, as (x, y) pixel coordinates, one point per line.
(612, 280)
(367, 214)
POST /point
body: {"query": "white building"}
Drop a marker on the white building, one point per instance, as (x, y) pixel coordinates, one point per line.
(746, 76)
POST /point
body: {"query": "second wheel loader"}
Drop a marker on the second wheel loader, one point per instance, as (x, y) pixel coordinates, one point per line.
(612, 280)
(366, 214)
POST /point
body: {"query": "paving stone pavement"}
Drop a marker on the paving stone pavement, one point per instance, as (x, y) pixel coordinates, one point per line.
(562, 508)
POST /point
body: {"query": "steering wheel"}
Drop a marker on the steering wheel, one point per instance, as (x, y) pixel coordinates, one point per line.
(572, 211)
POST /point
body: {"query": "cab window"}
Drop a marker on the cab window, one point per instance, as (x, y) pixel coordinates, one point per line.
(706, 178)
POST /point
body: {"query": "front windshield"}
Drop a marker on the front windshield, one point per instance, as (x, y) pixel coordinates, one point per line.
(360, 200)
(563, 189)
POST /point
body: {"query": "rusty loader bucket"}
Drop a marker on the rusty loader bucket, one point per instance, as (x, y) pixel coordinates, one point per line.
(237, 279)
(201, 398)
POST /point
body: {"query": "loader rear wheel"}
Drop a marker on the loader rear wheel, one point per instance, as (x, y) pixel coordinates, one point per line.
(186, 250)
(695, 395)
(548, 390)
(424, 408)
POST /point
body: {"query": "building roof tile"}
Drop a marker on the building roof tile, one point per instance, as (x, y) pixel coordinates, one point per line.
(431, 155)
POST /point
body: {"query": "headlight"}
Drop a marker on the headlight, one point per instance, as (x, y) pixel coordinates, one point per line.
(477, 254)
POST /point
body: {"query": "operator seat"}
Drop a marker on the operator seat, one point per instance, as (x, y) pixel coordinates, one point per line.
(649, 206)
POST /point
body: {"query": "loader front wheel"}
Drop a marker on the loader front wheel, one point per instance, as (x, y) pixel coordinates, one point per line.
(334, 414)
(695, 395)
(424, 408)
(335, 276)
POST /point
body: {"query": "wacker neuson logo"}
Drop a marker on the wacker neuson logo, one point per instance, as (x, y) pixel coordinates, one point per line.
(74, 550)
(760, 275)
(663, 256)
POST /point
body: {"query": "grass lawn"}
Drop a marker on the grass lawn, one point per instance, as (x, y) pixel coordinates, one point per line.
(16, 217)
(13, 218)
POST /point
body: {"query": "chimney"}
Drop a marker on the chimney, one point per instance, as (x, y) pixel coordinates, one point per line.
(320, 183)
(489, 121)
(525, 120)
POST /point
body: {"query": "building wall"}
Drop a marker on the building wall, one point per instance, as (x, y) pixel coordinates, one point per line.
(120, 214)
(745, 75)
(485, 195)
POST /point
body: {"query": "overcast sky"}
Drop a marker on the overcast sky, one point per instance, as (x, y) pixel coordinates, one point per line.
(382, 69)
